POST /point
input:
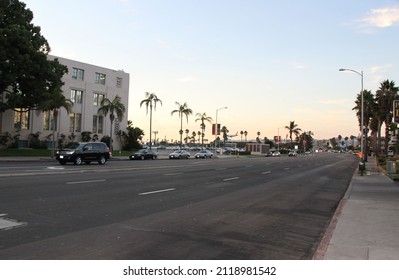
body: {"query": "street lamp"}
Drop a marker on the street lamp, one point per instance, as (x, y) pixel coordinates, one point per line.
(361, 110)
(216, 126)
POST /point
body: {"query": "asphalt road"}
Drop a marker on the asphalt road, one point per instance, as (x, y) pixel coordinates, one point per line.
(230, 208)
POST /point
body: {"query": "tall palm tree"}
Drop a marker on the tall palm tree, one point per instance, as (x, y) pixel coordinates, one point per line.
(245, 134)
(114, 107)
(386, 94)
(187, 132)
(258, 138)
(293, 129)
(182, 110)
(151, 101)
(203, 118)
(57, 101)
(369, 109)
(241, 132)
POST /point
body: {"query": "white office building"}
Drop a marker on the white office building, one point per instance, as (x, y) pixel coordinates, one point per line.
(85, 85)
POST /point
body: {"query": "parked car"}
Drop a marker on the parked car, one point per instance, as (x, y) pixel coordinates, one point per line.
(269, 154)
(143, 154)
(276, 154)
(204, 154)
(292, 154)
(84, 152)
(179, 154)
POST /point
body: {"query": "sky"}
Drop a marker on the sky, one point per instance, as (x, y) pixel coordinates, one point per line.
(268, 62)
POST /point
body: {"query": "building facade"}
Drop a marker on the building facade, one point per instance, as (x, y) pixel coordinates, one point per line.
(86, 86)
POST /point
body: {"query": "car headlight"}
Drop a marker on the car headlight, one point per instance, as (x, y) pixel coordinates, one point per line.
(70, 152)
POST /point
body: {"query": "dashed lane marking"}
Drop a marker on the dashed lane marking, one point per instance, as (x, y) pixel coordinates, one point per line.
(231, 179)
(158, 191)
(86, 182)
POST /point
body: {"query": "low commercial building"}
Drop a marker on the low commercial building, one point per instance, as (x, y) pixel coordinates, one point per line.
(86, 86)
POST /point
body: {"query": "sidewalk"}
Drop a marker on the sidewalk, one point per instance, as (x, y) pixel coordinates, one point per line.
(366, 223)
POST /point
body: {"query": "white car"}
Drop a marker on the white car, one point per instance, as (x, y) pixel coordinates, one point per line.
(276, 154)
(204, 154)
(179, 154)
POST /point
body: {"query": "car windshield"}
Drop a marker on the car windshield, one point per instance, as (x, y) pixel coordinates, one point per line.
(142, 151)
(75, 145)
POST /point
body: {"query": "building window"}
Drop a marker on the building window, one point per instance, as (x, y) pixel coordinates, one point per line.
(119, 82)
(48, 120)
(78, 74)
(100, 79)
(21, 118)
(95, 118)
(76, 96)
(98, 124)
(97, 99)
(75, 122)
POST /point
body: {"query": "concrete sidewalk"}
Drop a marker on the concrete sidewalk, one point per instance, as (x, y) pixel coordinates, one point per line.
(366, 223)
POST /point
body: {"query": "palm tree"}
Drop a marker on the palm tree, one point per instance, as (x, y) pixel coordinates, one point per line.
(293, 129)
(193, 134)
(57, 101)
(187, 131)
(151, 101)
(203, 117)
(182, 110)
(241, 132)
(245, 134)
(386, 94)
(112, 107)
(225, 137)
(258, 138)
(369, 109)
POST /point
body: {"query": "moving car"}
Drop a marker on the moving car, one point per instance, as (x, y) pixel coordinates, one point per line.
(276, 154)
(86, 152)
(143, 154)
(204, 154)
(292, 154)
(179, 154)
(269, 154)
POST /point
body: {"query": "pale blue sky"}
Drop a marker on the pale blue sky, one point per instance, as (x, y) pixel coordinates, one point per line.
(269, 62)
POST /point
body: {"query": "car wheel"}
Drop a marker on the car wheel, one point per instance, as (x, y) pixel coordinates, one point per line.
(154, 157)
(102, 160)
(78, 160)
(180, 157)
(142, 158)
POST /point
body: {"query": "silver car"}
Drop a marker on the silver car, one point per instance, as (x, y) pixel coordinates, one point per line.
(204, 154)
(179, 154)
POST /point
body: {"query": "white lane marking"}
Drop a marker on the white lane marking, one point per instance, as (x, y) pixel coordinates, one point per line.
(86, 182)
(158, 191)
(230, 179)
(218, 169)
(287, 168)
(171, 174)
(55, 167)
(266, 172)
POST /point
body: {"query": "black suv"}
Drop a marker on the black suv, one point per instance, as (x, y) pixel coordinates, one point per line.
(84, 152)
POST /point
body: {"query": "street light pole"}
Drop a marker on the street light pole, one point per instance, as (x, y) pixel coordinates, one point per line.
(216, 126)
(362, 110)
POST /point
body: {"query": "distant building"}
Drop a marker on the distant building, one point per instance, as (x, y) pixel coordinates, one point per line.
(85, 85)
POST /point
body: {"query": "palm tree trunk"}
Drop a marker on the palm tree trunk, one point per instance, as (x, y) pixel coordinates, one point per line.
(150, 126)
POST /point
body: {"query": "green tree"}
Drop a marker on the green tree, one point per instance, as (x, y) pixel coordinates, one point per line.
(132, 136)
(26, 75)
(203, 118)
(150, 101)
(182, 110)
(293, 129)
(369, 109)
(386, 94)
(54, 103)
(225, 137)
(114, 107)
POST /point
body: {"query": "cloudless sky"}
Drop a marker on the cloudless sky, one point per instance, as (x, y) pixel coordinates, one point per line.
(269, 62)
